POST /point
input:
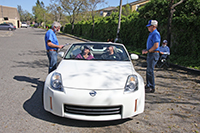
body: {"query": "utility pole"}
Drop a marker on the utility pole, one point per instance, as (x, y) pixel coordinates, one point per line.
(119, 22)
(44, 21)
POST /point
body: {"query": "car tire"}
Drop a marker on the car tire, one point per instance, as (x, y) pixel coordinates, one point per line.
(9, 29)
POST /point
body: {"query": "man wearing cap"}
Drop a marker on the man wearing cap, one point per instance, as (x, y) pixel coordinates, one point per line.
(152, 51)
(52, 45)
(164, 50)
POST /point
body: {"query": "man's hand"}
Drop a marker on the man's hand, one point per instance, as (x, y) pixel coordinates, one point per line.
(161, 53)
(60, 46)
(144, 51)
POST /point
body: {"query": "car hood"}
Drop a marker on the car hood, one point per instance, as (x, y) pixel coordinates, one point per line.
(95, 74)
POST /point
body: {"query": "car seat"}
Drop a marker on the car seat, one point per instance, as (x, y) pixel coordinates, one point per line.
(74, 53)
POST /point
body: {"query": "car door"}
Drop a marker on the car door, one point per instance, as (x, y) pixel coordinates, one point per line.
(1, 26)
(5, 26)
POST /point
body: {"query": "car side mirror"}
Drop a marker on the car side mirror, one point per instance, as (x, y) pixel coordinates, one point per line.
(134, 57)
(61, 54)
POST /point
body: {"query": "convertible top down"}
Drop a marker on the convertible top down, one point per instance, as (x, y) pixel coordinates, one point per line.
(95, 81)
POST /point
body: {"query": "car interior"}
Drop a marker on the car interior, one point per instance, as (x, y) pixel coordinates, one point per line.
(96, 51)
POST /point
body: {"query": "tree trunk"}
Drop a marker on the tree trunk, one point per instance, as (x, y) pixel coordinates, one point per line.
(170, 16)
(92, 25)
(73, 24)
(73, 27)
(169, 23)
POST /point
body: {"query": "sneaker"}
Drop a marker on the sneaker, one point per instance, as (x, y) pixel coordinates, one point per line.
(149, 90)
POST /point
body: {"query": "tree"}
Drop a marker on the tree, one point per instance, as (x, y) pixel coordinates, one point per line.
(92, 5)
(39, 11)
(126, 10)
(27, 16)
(24, 15)
(73, 8)
(56, 11)
(20, 11)
(171, 12)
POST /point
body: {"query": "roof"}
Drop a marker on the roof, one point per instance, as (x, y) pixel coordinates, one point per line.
(109, 9)
(138, 1)
(115, 8)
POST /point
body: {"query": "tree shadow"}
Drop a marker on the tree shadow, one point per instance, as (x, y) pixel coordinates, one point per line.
(32, 52)
(34, 64)
(34, 107)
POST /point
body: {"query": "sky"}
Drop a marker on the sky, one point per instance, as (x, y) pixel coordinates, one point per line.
(28, 4)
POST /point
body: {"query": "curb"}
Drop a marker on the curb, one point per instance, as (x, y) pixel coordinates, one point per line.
(177, 66)
(85, 40)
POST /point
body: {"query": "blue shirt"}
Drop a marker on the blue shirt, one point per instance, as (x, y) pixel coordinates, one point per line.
(165, 49)
(154, 37)
(50, 35)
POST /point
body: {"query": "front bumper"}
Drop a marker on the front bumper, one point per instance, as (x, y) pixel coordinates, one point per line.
(105, 105)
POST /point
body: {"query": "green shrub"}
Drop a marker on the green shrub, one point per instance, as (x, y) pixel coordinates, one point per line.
(133, 33)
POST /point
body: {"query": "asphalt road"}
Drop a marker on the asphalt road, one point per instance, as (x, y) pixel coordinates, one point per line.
(174, 107)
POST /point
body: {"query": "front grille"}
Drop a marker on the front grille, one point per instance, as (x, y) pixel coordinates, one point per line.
(92, 111)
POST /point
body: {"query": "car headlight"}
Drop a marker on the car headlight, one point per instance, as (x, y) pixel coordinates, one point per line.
(56, 81)
(131, 84)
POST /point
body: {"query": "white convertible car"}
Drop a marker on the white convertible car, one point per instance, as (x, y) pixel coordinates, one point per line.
(95, 81)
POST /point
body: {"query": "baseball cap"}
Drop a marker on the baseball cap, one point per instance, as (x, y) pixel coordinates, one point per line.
(152, 22)
(165, 41)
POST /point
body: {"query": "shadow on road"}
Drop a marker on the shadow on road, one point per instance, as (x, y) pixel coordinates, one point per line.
(38, 63)
(33, 64)
(35, 108)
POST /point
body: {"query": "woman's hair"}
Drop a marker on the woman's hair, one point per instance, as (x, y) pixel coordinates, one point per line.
(84, 50)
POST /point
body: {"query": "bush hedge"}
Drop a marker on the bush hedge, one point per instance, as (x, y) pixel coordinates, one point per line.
(133, 33)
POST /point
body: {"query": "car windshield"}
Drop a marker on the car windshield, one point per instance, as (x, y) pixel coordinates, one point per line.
(97, 51)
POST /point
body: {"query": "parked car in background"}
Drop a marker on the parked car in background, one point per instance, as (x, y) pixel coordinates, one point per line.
(13, 25)
(24, 24)
(5, 26)
(36, 25)
(104, 86)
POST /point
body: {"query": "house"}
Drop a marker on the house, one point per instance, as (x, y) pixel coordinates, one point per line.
(133, 5)
(107, 11)
(9, 15)
(137, 4)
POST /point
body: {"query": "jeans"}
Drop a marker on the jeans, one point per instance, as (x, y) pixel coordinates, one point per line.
(52, 55)
(152, 59)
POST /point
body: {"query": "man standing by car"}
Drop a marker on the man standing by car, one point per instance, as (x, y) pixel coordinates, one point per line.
(152, 51)
(52, 45)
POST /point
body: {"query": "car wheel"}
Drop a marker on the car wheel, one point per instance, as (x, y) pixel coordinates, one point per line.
(9, 29)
